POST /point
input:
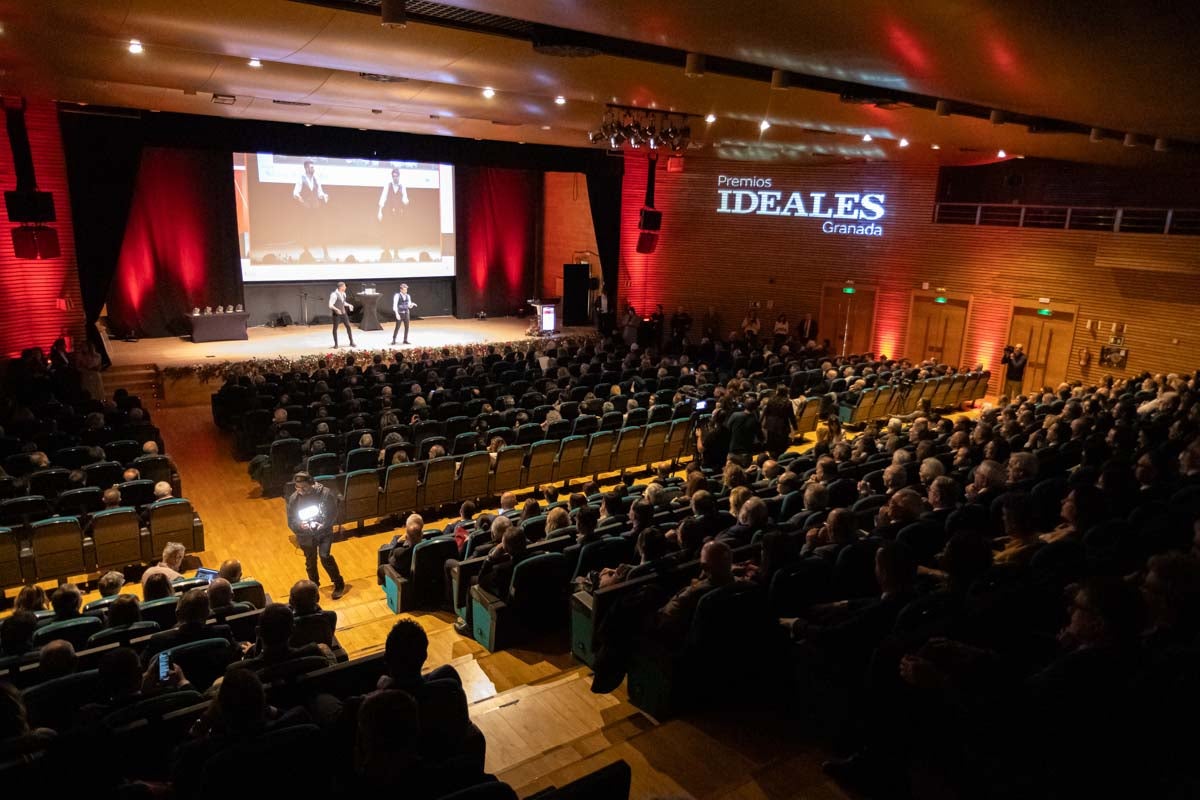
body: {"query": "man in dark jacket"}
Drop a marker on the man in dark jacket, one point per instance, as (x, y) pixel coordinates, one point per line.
(312, 511)
(496, 575)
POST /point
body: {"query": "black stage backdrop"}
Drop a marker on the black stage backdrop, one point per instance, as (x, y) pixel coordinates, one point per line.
(151, 269)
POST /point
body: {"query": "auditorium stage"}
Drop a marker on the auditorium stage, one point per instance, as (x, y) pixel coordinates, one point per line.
(298, 340)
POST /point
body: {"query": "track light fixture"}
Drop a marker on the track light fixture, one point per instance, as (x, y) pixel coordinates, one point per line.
(638, 127)
(942, 109)
(1096, 136)
(393, 13)
(1130, 140)
(780, 79)
(135, 47)
(1160, 145)
(693, 65)
(997, 117)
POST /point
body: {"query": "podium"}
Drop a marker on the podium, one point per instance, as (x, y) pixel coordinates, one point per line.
(369, 302)
(547, 315)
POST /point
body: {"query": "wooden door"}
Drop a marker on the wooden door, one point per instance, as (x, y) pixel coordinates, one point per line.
(1047, 339)
(847, 320)
(937, 330)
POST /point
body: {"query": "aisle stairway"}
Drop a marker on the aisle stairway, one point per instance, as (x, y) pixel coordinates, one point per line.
(143, 380)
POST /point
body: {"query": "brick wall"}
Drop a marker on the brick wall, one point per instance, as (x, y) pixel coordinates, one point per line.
(566, 229)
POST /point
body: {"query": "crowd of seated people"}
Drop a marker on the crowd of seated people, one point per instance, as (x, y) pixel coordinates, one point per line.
(1009, 601)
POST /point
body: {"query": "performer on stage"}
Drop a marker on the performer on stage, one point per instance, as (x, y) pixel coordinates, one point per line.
(341, 308)
(311, 196)
(311, 512)
(392, 201)
(401, 304)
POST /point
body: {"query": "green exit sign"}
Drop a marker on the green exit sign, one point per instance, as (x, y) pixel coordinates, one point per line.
(848, 290)
(939, 300)
(1044, 312)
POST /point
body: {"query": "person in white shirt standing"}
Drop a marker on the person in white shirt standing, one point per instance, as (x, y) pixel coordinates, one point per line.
(392, 202)
(341, 308)
(402, 304)
(311, 196)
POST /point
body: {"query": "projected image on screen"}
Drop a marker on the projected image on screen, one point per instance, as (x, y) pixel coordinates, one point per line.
(316, 218)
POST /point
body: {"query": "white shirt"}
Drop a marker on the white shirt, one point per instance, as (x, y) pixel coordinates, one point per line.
(311, 183)
(383, 196)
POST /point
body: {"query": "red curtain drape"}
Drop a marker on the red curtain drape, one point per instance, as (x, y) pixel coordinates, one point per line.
(497, 218)
(180, 244)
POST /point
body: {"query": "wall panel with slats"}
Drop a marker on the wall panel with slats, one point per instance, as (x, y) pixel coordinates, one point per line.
(1147, 282)
(40, 298)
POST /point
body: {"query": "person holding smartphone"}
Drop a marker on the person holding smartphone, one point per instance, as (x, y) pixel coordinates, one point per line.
(312, 512)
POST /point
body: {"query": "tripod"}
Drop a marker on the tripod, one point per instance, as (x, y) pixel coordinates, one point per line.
(303, 307)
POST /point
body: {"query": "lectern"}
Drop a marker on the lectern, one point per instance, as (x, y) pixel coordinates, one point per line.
(547, 314)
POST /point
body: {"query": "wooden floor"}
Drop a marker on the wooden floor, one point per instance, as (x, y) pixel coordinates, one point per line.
(543, 725)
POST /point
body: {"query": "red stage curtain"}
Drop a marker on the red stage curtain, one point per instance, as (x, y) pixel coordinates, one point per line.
(180, 245)
(497, 219)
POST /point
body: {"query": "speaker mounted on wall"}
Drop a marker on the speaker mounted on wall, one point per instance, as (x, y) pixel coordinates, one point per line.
(649, 219)
(35, 241)
(647, 241)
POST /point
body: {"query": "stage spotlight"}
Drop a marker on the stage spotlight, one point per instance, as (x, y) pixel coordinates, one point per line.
(762, 126)
(1001, 154)
(135, 47)
(1130, 140)
(255, 63)
(595, 137)
(903, 142)
(997, 117)
(560, 101)
(867, 137)
(942, 109)
(393, 13)
(693, 66)
(780, 79)
(710, 119)
(489, 92)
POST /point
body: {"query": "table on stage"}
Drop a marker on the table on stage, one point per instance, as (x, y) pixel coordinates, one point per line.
(219, 327)
(369, 302)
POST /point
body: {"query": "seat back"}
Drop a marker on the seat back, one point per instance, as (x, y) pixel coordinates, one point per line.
(608, 552)
(122, 634)
(534, 528)
(360, 495)
(250, 591)
(439, 481)
(510, 463)
(76, 631)
(202, 661)
(49, 482)
(654, 442)
(313, 629)
(58, 548)
(102, 474)
(585, 424)
(428, 574)
(257, 760)
(286, 455)
(600, 453)
(172, 520)
(570, 457)
(401, 488)
(116, 535)
(727, 621)
(542, 456)
(628, 441)
(10, 558)
(362, 458)
(23, 510)
(137, 493)
(476, 474)
(81, 501)
(71, 457)
(53, 703)
(677, 441)
(322, 464)
(123, 451)
(161, 611)
(539, 589)
(155, 468)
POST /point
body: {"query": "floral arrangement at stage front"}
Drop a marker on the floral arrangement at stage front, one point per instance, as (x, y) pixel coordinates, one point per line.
(206, 372)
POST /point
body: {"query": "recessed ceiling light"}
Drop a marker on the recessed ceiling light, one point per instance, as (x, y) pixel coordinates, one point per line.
(1001, 154)
(866, 137)
(560, 100)
(489, 92)
(710, 119)
(935, 147)
(545, 127)
(135, 46)
(762, 126)
(254, 62)
(904, 142)
(308, 124)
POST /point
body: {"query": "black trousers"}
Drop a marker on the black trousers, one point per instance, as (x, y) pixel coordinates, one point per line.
(321, 546)
(343, 319)
(403, 318)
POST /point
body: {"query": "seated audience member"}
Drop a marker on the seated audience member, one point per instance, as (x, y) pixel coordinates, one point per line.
(496, 575)
(675, 618)
(305, 600)
(1083, 508)
(438, 692)
(508, 502)
(705, 523)
(466, 513)
(150, 448)
(1020, 540)
(400, 557)
(231, 570)
(66, 601)
(901, 510)
(123, 682)
(221, 602)
(31, 598)
(130, 474)
(930, 469)
(192, 615)
(156, 587)
(110, 583)
(529, 510)
(57, 659)
(16, 635)
(163, 491)
(172, 560)
(124, 611)
(828, 541)
(387, 742)
(274, 646)
(111, 498)
(558, 518)
(752, 518)
(944, 493)
(641, 517)
(585, 526)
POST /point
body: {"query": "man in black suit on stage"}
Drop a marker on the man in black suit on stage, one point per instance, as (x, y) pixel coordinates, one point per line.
(311, 196)
(402, 304)
(341, 308)
(392, 204)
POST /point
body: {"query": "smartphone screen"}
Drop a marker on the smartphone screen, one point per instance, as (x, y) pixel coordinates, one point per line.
(164, 666)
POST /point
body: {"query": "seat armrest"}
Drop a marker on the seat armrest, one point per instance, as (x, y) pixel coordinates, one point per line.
(397, 589)
(489, 619)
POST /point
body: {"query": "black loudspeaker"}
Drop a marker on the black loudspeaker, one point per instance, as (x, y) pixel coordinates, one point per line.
(649, 219)
(29, 206)
(594, 284)
(575, 294)
(647, 242)
(285, 319)
(35, 241)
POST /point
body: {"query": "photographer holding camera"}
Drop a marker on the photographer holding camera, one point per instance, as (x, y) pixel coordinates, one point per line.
(312, 510)
(1014, 377)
